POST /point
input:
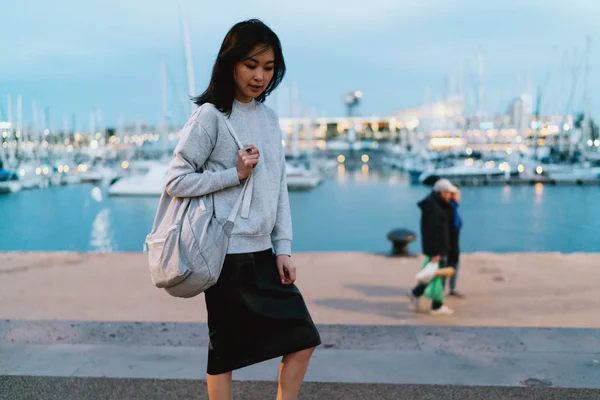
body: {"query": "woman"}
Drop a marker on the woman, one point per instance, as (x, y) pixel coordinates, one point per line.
(255, 312)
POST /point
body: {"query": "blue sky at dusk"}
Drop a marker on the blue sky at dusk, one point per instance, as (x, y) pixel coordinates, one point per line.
(75, 56)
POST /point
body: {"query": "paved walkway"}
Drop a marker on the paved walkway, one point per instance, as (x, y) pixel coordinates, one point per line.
(55, 341)
(350, 354)
(53, 388)
(546, 290)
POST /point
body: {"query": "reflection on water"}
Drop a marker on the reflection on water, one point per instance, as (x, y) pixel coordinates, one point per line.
(96, 194)
(539, 192)
(506, 194)
(101, 235)
(341, 173)
(365, 172)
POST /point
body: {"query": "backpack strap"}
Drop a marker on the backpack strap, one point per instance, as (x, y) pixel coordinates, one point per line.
(246, 193)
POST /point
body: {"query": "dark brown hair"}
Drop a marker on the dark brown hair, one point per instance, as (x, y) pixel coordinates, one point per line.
(237, 45)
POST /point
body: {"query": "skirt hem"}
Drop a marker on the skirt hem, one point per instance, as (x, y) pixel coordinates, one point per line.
(247, 362)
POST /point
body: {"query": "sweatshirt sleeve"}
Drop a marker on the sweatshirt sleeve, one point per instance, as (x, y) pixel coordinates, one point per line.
(193, 149)
(282, 232)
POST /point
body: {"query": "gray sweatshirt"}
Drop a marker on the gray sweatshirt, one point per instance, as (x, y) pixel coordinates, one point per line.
(205, 141)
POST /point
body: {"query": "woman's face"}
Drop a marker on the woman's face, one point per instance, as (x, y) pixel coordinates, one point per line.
(253, 75)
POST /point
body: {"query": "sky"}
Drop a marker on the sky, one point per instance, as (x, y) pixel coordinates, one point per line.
(76, 57)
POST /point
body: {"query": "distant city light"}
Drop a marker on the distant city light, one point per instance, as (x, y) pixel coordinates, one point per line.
(520, 168)
(539, 170)
(509, 151)
(412, 124)
(365, 158)
(504, 167)
(341, 159)
(125, 164)
(469, 151)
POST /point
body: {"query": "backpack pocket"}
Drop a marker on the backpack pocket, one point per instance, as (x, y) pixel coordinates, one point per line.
(164, 257)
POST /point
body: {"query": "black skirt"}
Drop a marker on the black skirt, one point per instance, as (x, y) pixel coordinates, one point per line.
(252, 316)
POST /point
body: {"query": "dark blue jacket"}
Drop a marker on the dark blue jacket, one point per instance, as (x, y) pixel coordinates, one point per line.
(454, 226)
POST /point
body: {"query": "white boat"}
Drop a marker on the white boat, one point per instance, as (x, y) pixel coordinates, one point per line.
(63, 178)
(325, 164)
(148, 184)
(574, 174)
(300, 178)
(474, 173)
(9, 181)
(338, 145)
(152, 182)
(11, 186)
(64, 173)
(32, 176)
(98, 174)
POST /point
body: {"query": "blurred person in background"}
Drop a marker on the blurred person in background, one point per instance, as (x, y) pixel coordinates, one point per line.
(435, 241)
(454, 225)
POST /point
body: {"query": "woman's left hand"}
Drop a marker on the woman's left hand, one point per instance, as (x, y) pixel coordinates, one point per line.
(287, 269)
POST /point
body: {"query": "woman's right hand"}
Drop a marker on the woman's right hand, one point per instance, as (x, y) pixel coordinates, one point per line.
(247, 160)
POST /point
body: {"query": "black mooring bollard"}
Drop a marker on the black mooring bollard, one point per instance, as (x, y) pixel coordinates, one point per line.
(400, 239)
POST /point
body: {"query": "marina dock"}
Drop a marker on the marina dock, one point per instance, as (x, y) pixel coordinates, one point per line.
(517, 181)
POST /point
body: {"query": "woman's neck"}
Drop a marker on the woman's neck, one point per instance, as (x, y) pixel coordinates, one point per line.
(244, 106)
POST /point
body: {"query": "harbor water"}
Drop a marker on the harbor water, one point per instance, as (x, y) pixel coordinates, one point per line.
(350, 211)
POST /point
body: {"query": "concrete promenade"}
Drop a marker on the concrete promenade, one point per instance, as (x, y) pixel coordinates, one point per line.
(42, 358)
(91, 326)
(534, 290)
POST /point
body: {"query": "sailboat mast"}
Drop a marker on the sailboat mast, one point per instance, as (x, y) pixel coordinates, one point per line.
(295, 118)
(188, 53)
(480, 99)
(36, 129)
(19, 135)
(586, 132)
(11, 145)
(165, 118)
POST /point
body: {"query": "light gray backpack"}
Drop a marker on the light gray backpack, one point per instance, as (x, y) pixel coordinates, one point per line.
(188, 244)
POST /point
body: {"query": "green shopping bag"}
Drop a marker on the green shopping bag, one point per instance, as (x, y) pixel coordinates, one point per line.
(435, 288)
